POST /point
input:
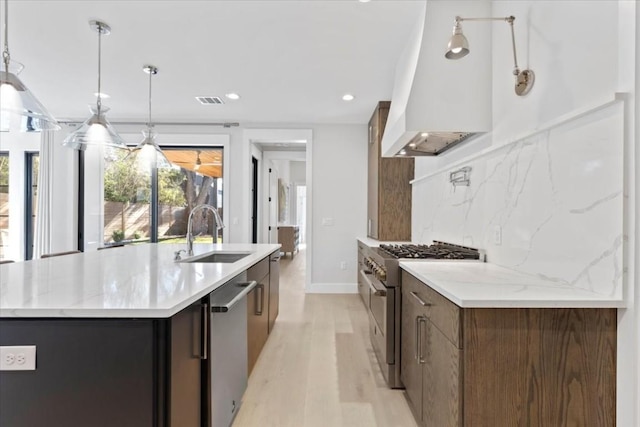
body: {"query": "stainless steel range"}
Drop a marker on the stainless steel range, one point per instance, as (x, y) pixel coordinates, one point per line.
(379, 286)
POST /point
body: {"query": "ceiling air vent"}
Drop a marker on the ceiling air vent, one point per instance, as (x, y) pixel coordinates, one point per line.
(209, 100)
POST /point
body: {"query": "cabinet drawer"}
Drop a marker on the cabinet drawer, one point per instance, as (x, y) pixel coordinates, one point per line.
(444, 314)
(259, 270)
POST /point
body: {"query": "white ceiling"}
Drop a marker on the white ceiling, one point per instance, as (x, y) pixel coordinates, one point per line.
(291, 61)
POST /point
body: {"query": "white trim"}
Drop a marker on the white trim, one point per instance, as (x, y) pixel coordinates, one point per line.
(332, 288)
(250, 136)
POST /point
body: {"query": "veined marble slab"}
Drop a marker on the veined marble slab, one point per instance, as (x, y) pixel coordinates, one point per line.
(556, 198)
(132, 281)
(479, 284)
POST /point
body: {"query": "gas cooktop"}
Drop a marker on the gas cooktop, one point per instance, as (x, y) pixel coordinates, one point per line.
(438, 250)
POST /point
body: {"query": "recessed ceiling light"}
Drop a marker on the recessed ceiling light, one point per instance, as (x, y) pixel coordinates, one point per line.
(424, 134)
(102, 95)
(364, 1)
(403, 152)
(348, 97)
(233, 96)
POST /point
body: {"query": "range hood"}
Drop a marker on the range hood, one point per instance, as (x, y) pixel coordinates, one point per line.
(438, 103)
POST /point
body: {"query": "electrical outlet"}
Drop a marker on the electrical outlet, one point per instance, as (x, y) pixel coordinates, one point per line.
(343, 265)
(327, 222)
(497, 235)
(18, 358)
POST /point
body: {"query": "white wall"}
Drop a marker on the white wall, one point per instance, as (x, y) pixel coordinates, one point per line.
(555, 162)
(339, 201)
(298, 172)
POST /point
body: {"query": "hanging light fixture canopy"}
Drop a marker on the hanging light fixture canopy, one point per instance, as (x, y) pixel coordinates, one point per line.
(15, 97)
(148, 153)
(96, 130)
(458, 47)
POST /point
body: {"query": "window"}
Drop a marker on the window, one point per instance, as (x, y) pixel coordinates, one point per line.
(32, 166)
(127, 193)
(4, 203)
(140, 206)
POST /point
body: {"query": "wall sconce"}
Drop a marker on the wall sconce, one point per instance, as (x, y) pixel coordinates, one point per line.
(460, 177)
(458, 47)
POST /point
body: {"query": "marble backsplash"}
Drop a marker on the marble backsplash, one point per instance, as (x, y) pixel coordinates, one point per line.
(550, 205)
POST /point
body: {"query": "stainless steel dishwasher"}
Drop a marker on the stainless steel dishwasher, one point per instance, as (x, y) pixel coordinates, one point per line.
(228, 349)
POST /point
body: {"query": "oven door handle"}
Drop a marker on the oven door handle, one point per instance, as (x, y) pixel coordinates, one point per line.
(376, 291)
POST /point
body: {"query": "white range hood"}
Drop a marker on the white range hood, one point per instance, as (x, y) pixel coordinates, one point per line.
(436, 100)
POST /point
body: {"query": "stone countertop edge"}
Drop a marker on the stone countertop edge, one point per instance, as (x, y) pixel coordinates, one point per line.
(485, 285)
(137, 281)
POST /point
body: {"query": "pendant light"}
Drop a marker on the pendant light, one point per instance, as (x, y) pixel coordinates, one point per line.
(15, 97)
(96, 130)
(148, 153)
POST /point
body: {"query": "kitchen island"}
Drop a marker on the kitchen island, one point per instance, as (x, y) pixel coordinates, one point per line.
(120, 335)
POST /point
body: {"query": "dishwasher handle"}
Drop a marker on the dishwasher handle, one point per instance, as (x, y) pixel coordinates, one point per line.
(226, 297)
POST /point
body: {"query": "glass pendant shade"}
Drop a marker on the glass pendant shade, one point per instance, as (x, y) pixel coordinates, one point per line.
(96, 130)
(148, 154)
(17, 102)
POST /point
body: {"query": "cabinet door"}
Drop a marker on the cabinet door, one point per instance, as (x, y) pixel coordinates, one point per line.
(442, 405)
(412, 337)
(187, 347)
(257, 320)
(274, 289)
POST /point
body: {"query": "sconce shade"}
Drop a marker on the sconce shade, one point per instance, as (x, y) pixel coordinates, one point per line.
(17, 100)
(458, 46)
(96, 130)
(148, 153)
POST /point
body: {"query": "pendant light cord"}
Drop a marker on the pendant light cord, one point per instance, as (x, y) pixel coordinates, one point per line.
(5, 53)
(99, 102)
(150, 76)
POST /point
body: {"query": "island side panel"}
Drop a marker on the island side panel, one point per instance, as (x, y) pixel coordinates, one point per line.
(89, 372)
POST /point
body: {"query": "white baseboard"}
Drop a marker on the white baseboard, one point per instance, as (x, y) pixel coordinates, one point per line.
(332, 288)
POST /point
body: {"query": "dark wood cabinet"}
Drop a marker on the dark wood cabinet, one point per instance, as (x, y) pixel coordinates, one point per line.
(257, 311)
(389, 191)
(506, 366)
(274, 289)
(186, 366)
(413, 336)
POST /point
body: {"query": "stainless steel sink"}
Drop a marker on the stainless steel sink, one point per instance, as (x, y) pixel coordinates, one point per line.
(217, 257)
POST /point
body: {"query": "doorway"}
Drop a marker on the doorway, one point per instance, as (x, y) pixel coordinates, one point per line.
(269, 145)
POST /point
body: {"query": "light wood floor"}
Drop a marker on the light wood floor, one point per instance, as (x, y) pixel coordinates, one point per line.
(317, 367)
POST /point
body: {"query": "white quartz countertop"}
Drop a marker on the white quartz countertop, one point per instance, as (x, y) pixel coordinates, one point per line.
(479, 284)
(127, 282)
(374, 243)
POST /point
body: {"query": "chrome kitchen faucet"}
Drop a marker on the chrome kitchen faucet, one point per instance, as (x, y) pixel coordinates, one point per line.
(217, 219)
